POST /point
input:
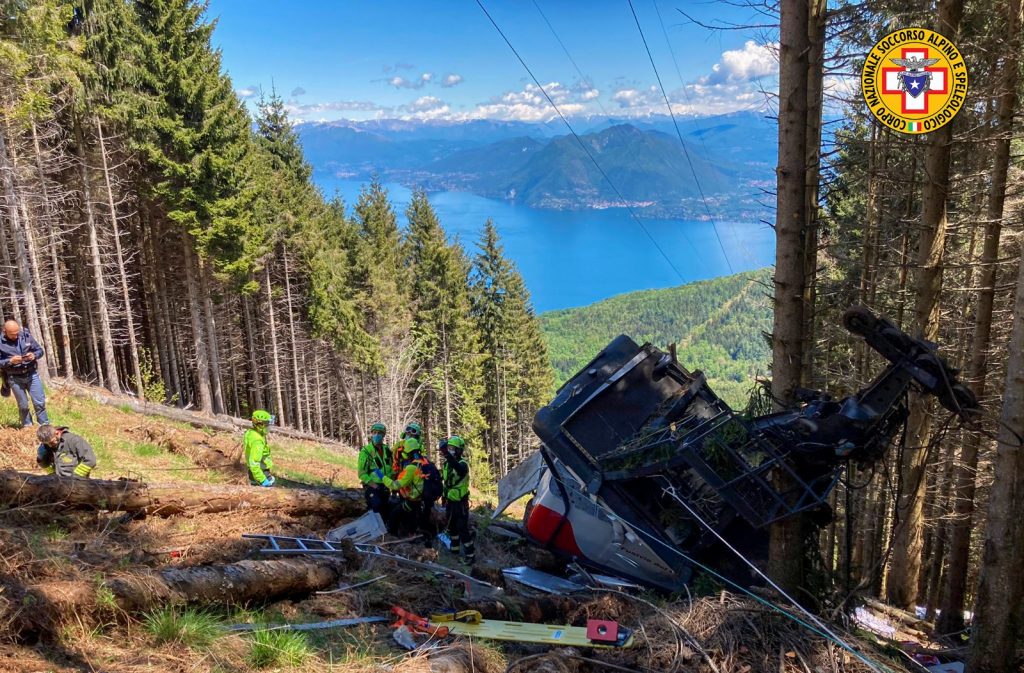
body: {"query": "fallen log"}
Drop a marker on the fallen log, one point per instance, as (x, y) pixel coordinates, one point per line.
(241, 582)
(20, 488)
(42, 608)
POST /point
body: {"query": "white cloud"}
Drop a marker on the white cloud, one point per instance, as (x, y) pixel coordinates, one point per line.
(424, 108)
(247, 92)
(400, 82)
(298, 91)
(305, 112)
(590, 94)
(744, 65)
(451, 79)
(630, 98)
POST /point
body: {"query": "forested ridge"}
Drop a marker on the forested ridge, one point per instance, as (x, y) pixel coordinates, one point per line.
(158, 240)
(718, 325)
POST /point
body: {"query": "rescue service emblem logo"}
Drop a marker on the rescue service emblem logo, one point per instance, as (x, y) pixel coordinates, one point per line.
(914, 80)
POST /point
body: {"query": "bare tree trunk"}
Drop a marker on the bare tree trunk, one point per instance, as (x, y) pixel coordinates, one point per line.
(299, 420)
(209, 323)
(785, 554)
(126, 297)
(254, 370)
(906, 559)
(102, 308)
(274, 349)
(195, 302)
(18, 223)
(997, 613)
(951, 618)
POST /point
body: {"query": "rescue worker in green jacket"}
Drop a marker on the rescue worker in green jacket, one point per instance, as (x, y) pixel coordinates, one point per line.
(64, 453)
(374, 466)
(418, 485)
(257, 451)
(455, 481)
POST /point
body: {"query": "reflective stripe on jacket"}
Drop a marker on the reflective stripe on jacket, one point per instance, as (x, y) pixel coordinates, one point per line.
(455, 476)
(409, 482)
(73, 456)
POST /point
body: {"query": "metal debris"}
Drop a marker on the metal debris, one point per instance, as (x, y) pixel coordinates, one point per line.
(312, 626)
(365, 529)
(542, 581)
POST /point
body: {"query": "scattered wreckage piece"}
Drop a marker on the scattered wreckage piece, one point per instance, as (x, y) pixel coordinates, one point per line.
(475, 588)
(310, 626)
(541, 581)
(634, 435)
(367, 528)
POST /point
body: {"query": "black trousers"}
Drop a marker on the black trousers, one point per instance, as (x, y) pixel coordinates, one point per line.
(459, 531)
(378, 499)
(412, 516)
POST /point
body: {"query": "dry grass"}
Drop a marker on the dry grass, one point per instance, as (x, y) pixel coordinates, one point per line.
(52, 564)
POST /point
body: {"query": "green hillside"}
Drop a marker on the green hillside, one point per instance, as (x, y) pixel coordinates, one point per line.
(718, 325)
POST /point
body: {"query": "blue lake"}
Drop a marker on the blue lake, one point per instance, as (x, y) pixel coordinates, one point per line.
(573, 258)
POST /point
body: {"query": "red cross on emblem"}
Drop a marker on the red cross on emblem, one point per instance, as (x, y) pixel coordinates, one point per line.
(909, 103)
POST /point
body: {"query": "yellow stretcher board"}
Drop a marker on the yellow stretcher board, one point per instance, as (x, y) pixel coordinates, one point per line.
(547, 634)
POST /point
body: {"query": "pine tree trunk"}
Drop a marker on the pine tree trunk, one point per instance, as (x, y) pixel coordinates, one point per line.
(786, 545)
(210, 324)
(195, 304)
(256, 394)
(951, 618)
(274, 350)
(997, 613)
(133, 347)
(19, 222)
(52, 359)
(906, 560)
(177, 379)
(300, 420)
(102, 311)
(157, 331)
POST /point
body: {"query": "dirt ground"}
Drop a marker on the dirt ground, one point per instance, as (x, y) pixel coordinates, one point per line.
(64, 555)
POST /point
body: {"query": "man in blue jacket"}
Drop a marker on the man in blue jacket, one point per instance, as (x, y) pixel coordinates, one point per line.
(19, 355)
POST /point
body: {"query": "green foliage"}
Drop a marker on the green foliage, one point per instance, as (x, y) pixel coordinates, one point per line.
(188, 627)
(153, 387)
(278, 648)
(517, 376)
(719, 326)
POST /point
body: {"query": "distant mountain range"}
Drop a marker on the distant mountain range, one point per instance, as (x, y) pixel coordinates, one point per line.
(732, 156)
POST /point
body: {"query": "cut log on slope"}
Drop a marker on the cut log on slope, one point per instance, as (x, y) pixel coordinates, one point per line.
(19, 488)
(42, 608)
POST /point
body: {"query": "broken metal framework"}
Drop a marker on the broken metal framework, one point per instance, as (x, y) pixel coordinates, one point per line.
(646, 466)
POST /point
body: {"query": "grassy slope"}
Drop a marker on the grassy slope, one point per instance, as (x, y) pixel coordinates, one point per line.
(718, 325)
(123, 448)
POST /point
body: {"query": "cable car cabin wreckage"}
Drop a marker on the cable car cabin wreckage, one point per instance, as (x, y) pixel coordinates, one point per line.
(642, 466)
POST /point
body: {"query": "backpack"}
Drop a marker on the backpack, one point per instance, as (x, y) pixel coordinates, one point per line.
(432, 485)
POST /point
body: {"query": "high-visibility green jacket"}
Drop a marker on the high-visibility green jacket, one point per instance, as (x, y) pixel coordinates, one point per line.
(409, 482)
(257, 454)
(371, 458)
(73, 456)
(455, 476)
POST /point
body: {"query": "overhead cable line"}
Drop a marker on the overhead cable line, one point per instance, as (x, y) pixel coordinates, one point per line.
(579, 71)
(679, 133)
(583, 145)
(700, 136)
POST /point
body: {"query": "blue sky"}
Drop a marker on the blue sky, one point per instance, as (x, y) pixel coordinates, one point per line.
(444, 60)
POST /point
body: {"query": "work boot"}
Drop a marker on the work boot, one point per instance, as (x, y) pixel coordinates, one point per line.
(428, 541)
